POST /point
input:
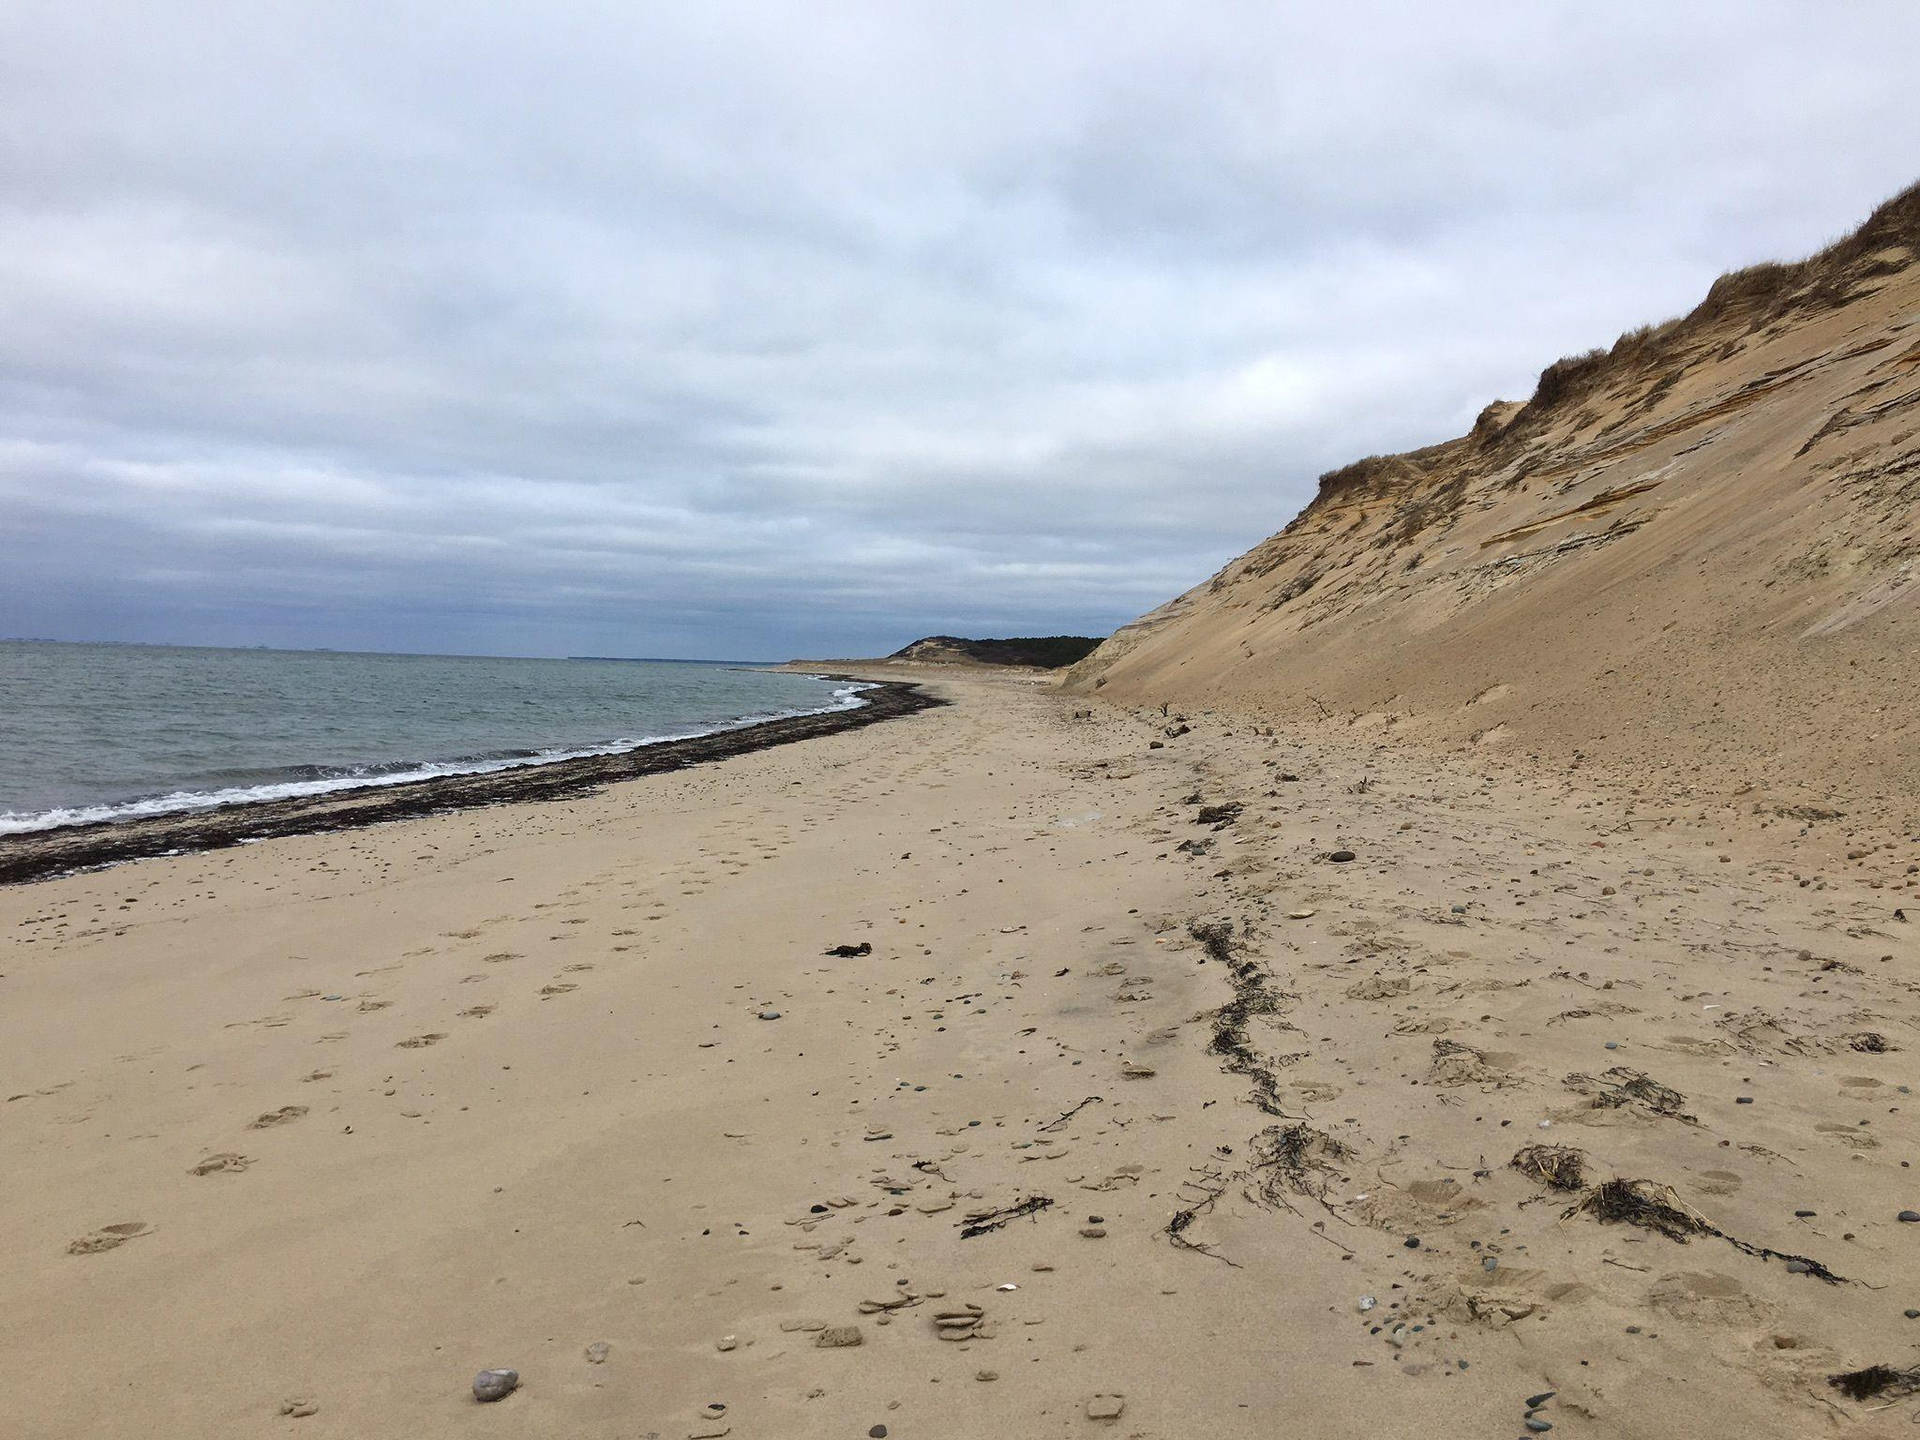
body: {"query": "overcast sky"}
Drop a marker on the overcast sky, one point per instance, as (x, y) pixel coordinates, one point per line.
(757, 330)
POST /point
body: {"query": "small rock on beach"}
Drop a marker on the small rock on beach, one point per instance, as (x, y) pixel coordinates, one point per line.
(495, 1384)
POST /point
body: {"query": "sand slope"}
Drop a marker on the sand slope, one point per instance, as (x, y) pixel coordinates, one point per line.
(1697, 555)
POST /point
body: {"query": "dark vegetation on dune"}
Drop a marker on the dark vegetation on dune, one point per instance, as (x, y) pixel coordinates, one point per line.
(1741, 302)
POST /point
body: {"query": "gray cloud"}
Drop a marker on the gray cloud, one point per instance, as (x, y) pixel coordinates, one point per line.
(751, 331)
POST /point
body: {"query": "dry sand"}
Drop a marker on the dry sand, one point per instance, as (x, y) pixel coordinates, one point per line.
(493, 1088)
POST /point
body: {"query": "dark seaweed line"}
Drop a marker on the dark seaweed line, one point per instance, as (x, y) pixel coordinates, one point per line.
(40, 855)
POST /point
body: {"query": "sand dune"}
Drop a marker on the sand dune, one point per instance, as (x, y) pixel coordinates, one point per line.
(1696, 556)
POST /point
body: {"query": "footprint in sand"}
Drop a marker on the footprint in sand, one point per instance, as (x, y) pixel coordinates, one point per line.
(420, 1042)
(367, 1007)
(1708, 1298)
(570, 969)
(476, 1012)
(498, 956)
(225, 1162)
(109, 1237)
(1718, 1182)
(557, 988)
(1851, 1135)
(285, 1115)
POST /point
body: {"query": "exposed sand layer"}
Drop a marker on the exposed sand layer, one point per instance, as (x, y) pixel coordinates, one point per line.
(1696, 555)
(300, 1136)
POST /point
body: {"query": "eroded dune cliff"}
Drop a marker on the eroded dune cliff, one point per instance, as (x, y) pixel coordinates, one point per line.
(1697, 553)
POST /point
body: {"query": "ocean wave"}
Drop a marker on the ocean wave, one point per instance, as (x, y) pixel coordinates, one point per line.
(317, 780)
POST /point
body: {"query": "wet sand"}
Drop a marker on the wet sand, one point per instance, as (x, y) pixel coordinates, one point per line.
(330, 1122)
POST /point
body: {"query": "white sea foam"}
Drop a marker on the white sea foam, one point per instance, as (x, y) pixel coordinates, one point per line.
(846, 697)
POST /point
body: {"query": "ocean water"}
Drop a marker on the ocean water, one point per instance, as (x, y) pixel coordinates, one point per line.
(104, 732)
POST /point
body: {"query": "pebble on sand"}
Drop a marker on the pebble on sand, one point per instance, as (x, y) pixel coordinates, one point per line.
(299, 1408)
(597, 1352)
(839, 1337)
(1105, 1407)
(1912, 1217)
(495, 1384)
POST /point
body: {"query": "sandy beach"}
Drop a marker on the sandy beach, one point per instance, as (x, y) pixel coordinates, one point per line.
(303, 1134)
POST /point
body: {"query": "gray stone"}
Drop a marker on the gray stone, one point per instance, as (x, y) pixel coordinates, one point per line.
(495, 1384)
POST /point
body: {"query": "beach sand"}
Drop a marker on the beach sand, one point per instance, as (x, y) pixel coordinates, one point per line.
(301, 1135)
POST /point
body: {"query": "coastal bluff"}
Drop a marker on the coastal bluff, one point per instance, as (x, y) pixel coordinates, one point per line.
(1693, 554)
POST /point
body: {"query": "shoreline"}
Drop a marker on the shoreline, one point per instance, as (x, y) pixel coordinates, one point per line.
(43, 854)
(928, 1078)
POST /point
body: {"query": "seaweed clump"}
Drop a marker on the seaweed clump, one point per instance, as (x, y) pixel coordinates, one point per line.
(1296, 1159)
(1877, 1380)
(1625, 1088)
(1653, 1206)
(1645, 1203)
(1558, 1167)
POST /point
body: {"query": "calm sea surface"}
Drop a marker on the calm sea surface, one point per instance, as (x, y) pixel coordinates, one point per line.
(97, 732)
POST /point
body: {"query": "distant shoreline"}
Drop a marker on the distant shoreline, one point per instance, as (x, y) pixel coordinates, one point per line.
(42, 854)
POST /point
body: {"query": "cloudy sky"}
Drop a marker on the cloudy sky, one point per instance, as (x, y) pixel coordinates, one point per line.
(753, 330)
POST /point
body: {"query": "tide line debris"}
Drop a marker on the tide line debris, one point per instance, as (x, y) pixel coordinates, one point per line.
(1874, 1380)
(1068, 1115)
(1653, 1206)
(1558, 1167)
(982, 1221)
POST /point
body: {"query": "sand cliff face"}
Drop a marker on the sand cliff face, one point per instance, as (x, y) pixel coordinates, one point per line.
(1697, 553)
